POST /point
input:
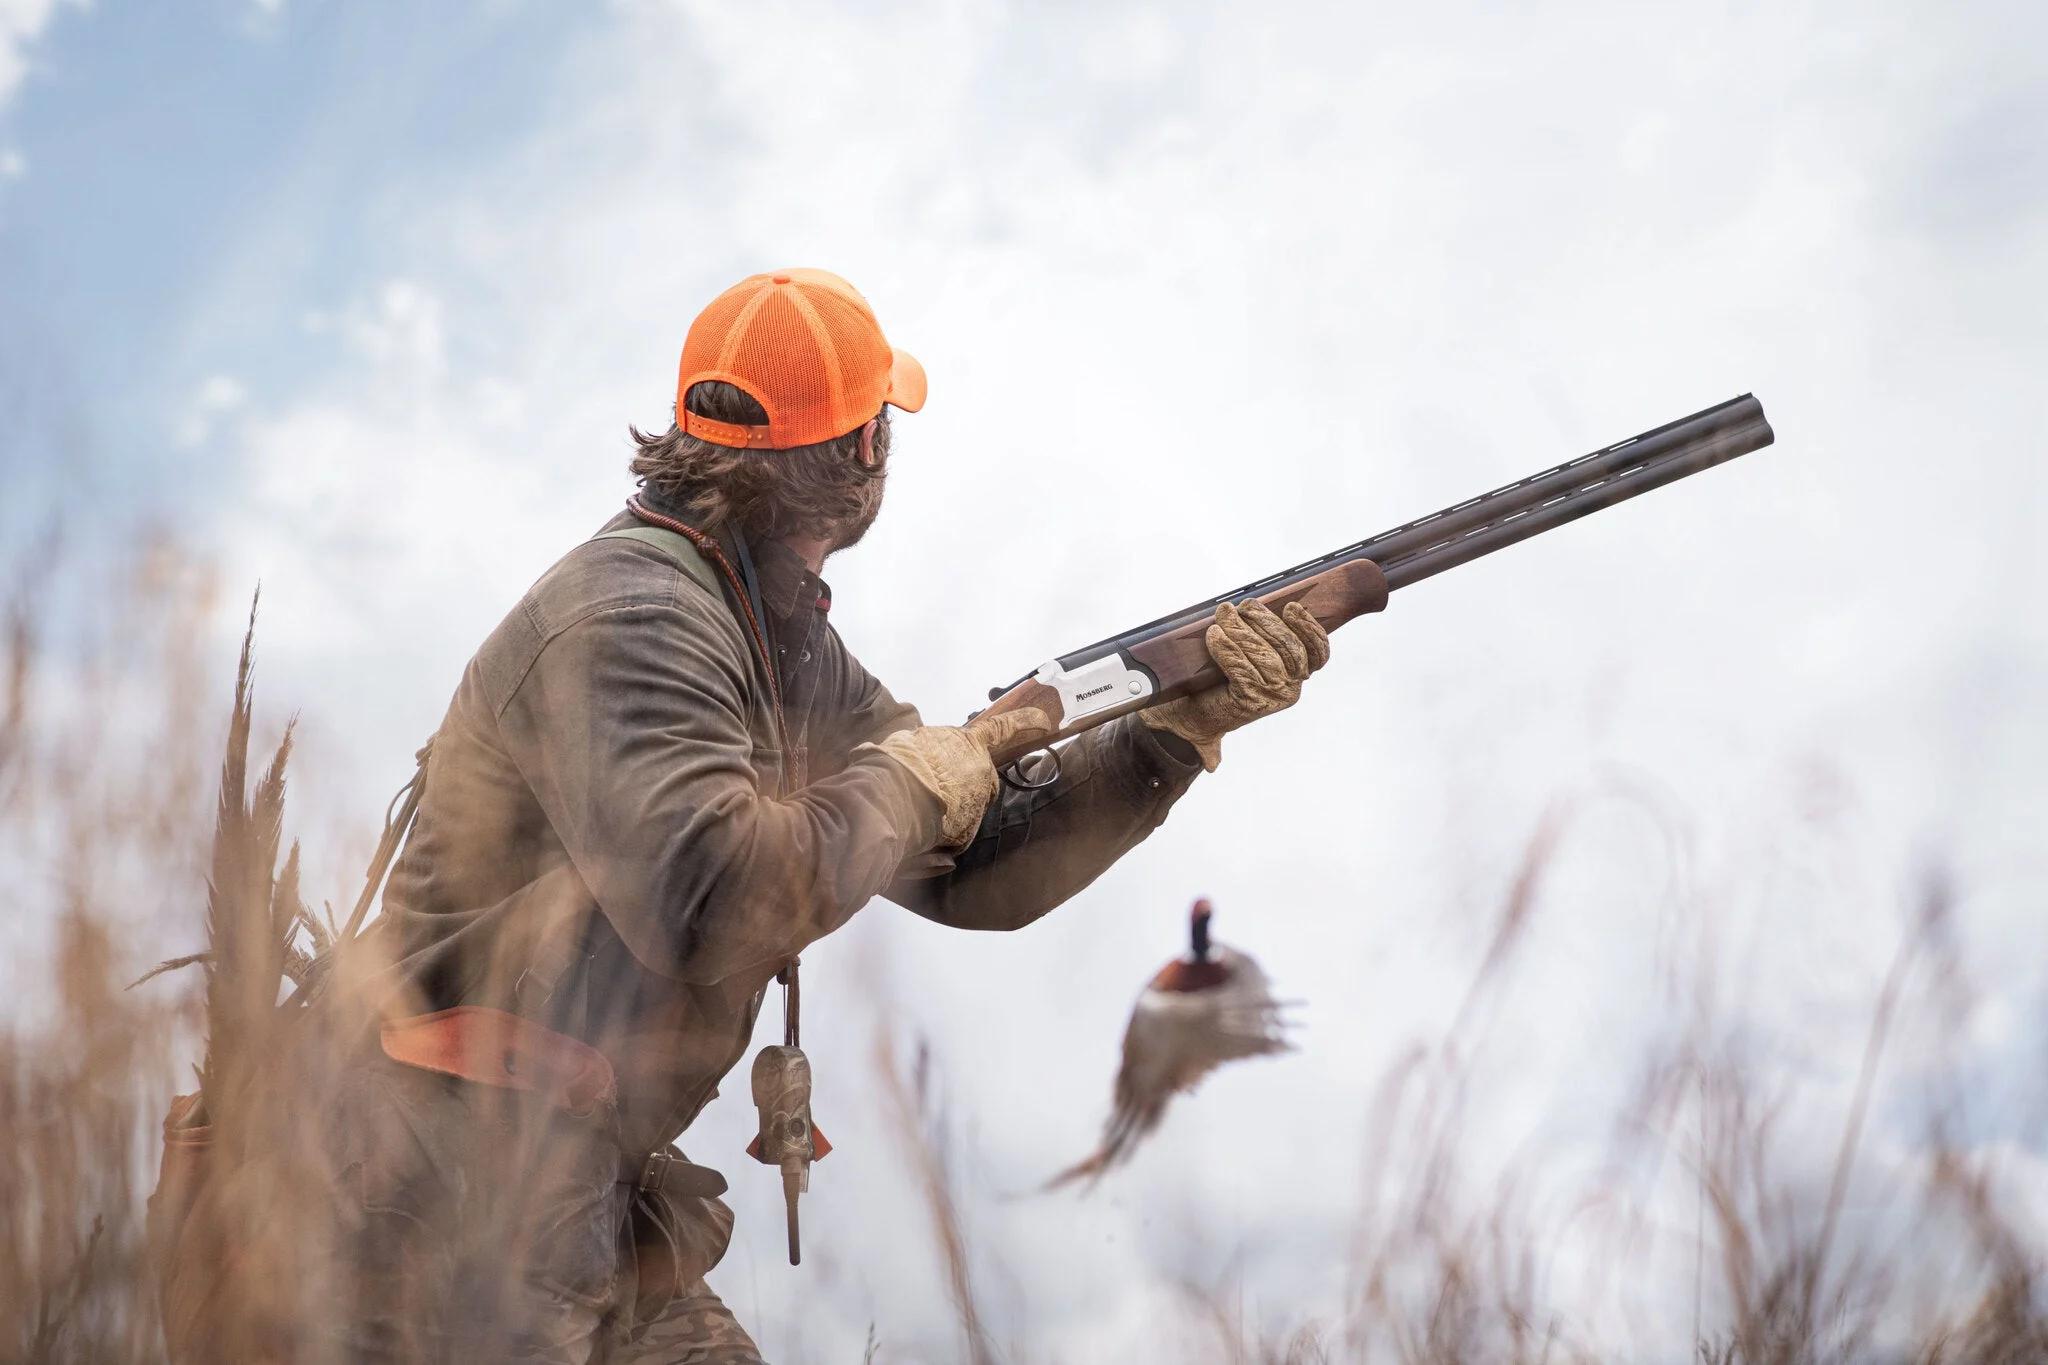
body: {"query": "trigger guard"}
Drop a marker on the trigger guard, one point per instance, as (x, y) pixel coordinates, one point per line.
(1012, 773)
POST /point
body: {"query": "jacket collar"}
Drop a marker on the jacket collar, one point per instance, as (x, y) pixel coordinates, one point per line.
(785, 584)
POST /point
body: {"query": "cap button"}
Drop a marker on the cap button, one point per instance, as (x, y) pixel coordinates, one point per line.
(781, 279)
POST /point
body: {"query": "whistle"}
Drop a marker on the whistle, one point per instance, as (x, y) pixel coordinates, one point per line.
(782, 1095)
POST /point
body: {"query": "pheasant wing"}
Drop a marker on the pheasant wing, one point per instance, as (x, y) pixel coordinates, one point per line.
(1175, 1038)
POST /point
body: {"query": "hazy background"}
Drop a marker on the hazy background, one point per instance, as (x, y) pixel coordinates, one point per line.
(359, 299)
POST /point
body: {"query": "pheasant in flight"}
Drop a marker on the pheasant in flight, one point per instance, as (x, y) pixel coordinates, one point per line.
(1210, 1007)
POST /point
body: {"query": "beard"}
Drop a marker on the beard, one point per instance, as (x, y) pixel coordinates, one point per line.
(865, 496)
(848, 530)
(815, 493)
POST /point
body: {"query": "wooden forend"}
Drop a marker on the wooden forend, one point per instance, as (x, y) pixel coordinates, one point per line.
(1180, 659)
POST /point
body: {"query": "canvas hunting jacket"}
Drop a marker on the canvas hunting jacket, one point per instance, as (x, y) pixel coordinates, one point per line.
(614, 843)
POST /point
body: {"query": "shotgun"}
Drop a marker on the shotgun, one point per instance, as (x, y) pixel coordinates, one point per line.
(1167, 658)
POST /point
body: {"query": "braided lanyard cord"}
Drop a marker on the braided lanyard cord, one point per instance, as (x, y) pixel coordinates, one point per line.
(792, 1003)
(714, 552)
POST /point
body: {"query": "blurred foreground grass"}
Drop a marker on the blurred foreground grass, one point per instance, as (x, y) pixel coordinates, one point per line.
(110, 726)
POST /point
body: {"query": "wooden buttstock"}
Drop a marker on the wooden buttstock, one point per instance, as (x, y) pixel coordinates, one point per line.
(1180, 660)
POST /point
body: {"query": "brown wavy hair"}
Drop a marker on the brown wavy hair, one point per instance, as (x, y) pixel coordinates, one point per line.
(815, 490)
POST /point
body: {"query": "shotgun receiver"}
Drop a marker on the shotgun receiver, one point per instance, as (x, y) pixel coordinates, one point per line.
(1168, 658)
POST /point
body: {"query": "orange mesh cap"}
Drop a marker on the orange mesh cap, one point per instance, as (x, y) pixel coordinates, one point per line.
(806, 345)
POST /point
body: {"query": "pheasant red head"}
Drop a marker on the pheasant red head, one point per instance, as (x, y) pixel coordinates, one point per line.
(1201, 969)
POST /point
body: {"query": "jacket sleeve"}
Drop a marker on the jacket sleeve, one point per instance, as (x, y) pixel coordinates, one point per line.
(1035, 848)
(633, 727)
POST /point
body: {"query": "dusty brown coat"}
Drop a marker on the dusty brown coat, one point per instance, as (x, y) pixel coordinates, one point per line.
(611, 842)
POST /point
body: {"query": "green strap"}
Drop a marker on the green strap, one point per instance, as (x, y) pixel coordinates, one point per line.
(676, 547)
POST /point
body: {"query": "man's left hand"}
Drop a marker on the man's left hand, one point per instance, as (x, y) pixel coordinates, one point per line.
(1264, 658)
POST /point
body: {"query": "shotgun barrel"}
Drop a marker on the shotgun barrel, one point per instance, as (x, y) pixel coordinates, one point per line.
(1165, 658)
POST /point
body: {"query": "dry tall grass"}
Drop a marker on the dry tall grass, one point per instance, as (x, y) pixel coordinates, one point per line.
(1446, 1272)
(102, 830)
(109, 736)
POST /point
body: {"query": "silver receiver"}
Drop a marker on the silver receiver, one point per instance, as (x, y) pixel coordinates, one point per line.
(1109, 681)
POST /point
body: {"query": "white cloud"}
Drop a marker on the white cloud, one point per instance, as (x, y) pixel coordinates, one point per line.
(401, 333)
(1281, 279)
(264, 20)
(21, 23)
(220, 396)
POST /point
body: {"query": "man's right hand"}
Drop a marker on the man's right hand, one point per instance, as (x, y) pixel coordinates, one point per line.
(952, 762)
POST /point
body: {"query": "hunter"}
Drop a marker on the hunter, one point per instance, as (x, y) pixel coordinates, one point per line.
(662, 777)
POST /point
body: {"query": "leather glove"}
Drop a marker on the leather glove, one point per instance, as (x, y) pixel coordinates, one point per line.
(952, 763)
(1264, 659)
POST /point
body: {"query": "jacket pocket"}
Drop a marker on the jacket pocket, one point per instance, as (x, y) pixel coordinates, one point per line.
(670, 1241)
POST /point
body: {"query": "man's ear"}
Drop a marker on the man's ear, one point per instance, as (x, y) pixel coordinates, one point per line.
(867, 443)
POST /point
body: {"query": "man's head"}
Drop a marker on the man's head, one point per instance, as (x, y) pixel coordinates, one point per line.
(781, 423)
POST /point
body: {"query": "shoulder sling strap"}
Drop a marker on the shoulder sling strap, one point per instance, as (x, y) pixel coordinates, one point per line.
(676, 547)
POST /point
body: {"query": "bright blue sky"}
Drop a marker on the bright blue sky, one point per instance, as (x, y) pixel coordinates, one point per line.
(363, 295)
(197, 178)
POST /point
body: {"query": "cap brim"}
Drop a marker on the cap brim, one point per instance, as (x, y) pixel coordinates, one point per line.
(906, 382)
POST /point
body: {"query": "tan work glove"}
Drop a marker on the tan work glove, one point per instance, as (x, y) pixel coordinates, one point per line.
(1264, 659)
(952, 763)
